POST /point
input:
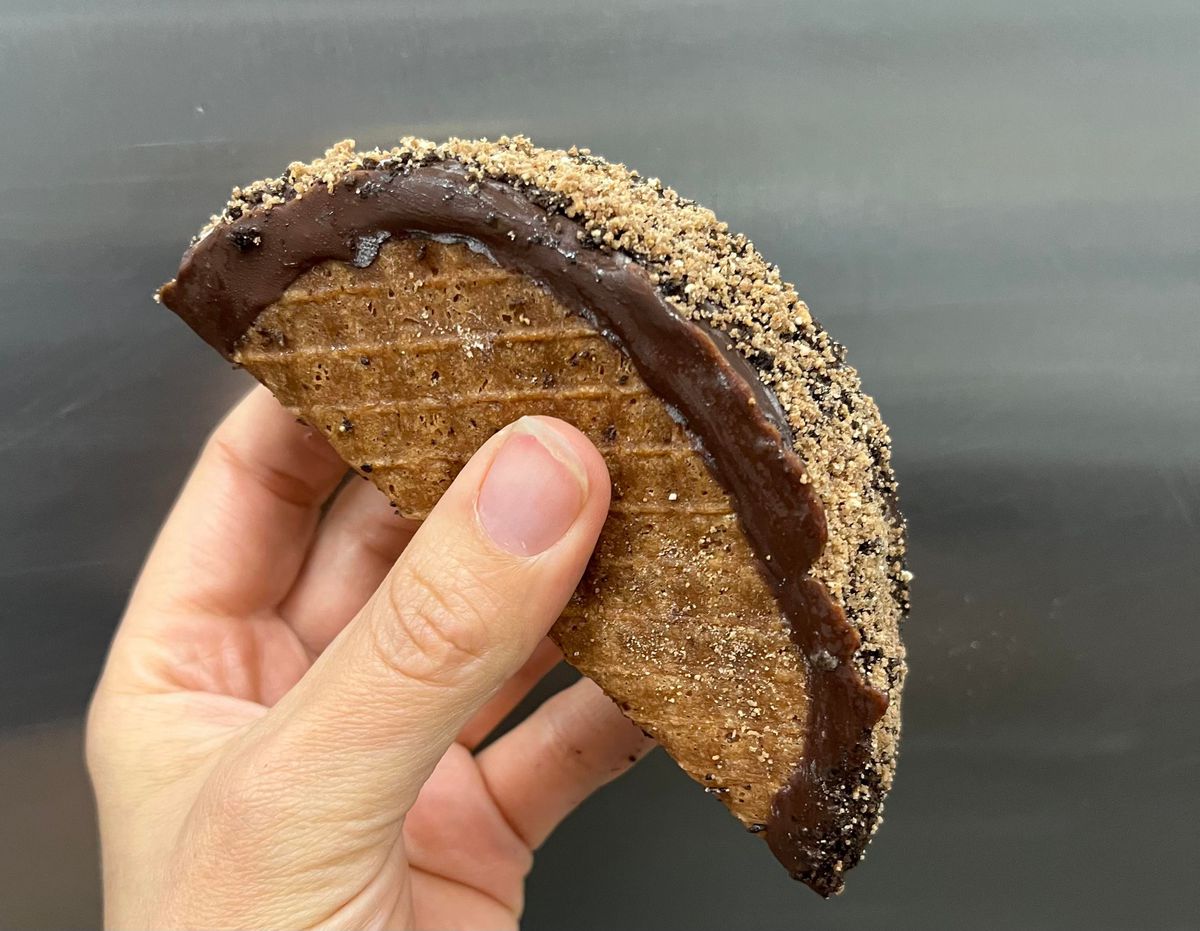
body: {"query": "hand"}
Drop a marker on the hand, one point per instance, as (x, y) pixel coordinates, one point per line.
(284, 734)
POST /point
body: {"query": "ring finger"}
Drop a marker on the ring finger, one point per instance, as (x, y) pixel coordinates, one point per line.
(541, 770)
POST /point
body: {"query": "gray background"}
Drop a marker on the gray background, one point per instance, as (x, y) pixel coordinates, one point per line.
(996, 206)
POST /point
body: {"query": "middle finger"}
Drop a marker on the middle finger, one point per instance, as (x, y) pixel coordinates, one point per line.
(355, 547)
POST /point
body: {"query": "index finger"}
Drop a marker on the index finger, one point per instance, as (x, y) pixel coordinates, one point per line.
(238, 533)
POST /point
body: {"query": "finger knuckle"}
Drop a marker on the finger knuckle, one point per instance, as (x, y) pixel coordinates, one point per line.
(433, 632)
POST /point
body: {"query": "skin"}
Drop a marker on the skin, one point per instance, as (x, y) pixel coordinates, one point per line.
(285, 733)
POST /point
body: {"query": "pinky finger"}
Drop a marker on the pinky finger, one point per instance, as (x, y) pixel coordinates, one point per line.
(540, 771)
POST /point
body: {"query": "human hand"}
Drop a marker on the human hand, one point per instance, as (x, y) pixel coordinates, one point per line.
(284, 732)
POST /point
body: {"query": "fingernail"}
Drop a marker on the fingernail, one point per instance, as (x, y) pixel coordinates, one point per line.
(534, 490)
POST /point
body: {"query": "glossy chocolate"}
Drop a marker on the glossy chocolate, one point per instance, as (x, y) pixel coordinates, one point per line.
(822, 819)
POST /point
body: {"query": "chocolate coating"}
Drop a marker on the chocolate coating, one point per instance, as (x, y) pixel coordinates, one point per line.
(231, 275)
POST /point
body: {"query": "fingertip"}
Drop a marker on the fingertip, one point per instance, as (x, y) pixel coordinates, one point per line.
(259, 420)
(578, 441)
(602, 713)
(255, 404)
(599, 482)
(545, 485)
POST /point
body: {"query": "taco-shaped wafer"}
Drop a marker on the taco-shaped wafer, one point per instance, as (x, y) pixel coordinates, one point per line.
(744, 602)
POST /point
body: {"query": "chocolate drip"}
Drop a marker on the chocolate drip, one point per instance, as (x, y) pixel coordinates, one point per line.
(822, 819)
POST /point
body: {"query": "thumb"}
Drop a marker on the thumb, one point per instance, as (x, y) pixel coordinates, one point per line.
(475, 591)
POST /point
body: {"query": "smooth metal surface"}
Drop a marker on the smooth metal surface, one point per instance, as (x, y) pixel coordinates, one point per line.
(996, 206)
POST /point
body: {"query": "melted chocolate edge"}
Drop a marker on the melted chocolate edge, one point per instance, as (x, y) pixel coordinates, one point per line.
(822, 819)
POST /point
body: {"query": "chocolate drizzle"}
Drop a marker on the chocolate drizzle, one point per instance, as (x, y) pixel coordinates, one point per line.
(822, 819)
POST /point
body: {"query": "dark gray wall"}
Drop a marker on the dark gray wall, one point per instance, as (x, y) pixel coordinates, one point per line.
(995, 205)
